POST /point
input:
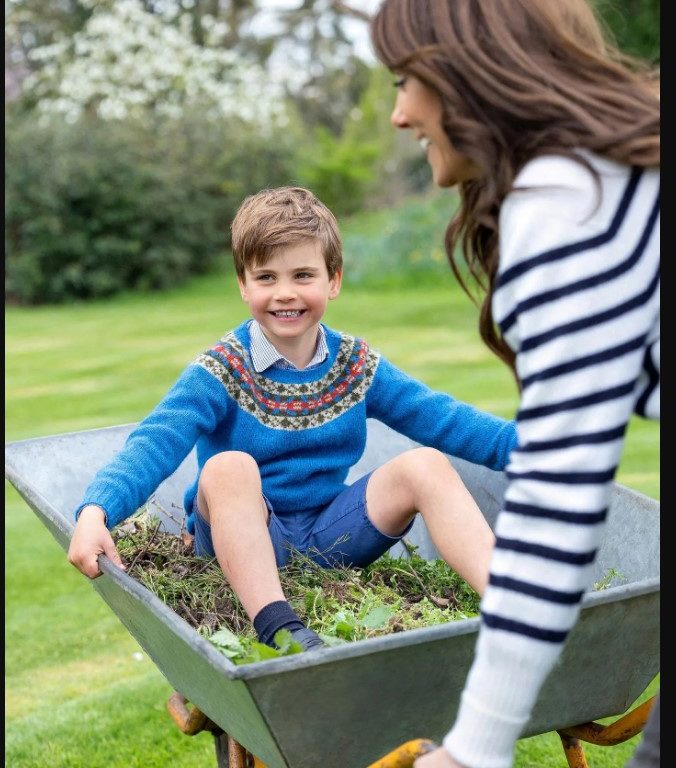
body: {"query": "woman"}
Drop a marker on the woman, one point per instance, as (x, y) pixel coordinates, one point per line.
(552, 139)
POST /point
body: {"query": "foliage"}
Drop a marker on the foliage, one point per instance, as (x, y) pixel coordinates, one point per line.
(360, 166)
(611, 577)
(634, 25)
(339, 171)
(342, 604)
(101, 218)
(101, 206)
(126, 62)
(97, 207)
(133, 55)
(247, 651)
(405, 241)
(328, 98)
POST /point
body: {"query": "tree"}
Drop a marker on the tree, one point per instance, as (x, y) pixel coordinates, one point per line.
(127, 62)
(302, 49)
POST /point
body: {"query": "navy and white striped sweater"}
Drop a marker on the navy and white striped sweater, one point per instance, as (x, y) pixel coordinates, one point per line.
(577, 299)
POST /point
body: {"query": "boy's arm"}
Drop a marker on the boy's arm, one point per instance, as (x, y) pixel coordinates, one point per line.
(192, 407)
(438, 420)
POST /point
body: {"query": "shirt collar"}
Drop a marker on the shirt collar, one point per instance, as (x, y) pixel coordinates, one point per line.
(264, 354)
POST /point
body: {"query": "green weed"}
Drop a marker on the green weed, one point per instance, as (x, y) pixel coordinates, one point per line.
(342, 604)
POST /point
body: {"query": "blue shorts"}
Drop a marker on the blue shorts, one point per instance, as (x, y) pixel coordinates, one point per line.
(340, 534)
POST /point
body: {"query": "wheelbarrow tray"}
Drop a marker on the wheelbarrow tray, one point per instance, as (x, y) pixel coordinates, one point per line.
(345, 706)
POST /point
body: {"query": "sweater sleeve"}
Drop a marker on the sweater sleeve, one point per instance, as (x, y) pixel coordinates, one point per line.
(576, 299)
(438, 420)
(192, 407)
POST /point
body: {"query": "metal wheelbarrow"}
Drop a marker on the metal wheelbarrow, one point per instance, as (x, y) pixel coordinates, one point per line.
(325, 709)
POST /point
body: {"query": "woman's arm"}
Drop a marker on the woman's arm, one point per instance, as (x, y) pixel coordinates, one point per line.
(578, 310)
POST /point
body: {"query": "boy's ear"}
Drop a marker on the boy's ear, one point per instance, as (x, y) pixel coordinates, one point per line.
(242, 289)
(334, 284)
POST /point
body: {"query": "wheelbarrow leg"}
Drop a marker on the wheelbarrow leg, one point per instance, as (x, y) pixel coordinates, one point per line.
(574, 751)
(603, 735)
(229, 753)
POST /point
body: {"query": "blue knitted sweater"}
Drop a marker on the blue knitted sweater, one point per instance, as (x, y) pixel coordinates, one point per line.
(305, 429)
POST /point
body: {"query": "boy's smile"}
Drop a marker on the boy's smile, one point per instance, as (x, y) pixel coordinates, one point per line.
(288, 296)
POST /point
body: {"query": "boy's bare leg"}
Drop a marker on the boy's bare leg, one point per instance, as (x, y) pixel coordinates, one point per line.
(230, 497)
(423, 480)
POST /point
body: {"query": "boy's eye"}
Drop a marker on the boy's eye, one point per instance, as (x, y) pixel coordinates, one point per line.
(263, 278)
(399, 82)
(303, 275)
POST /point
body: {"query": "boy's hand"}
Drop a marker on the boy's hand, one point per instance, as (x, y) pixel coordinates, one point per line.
(90, 539)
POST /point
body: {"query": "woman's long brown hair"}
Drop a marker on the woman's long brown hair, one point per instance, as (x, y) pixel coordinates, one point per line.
(517, 79)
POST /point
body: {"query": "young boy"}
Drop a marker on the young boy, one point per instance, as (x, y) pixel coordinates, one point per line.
(277, 410)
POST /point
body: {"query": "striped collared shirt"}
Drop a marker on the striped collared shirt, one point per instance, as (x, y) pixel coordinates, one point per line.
(264, 355)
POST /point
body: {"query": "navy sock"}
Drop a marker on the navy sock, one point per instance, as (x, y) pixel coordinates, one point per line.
(273, 617)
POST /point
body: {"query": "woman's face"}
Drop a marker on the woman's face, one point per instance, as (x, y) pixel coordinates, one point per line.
(418, 108)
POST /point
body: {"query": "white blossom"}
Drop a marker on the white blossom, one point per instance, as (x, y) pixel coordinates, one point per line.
(126, 62)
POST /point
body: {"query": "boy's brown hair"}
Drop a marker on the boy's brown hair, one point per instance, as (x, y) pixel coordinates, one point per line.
(277, 218)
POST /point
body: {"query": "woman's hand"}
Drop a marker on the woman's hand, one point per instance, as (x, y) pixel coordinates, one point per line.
(90, 539)
(437, 759)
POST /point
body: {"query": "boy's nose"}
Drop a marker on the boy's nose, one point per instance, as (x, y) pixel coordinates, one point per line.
(398, 118)
(285, 291)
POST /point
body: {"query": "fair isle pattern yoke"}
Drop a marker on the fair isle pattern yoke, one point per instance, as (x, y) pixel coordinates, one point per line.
(304, 428)
(293, 406)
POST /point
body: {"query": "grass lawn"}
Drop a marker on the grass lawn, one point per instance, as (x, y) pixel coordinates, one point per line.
(79, 691)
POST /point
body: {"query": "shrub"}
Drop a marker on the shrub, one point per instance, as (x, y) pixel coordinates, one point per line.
(351, 171)
(97, 207)
(634, 25)
(339, 171)
(405, 242)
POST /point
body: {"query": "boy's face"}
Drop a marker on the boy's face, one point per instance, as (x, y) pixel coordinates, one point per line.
(288, 295)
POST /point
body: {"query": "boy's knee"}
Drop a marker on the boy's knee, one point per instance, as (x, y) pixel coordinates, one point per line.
(229, 466)
(425, 469)
(423, 462)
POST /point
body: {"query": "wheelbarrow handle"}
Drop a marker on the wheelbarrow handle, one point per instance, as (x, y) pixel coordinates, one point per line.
(189, 721)
(405, 755)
